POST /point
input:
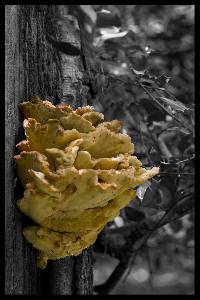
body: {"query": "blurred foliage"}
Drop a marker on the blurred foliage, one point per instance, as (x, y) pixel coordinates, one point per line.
(141, 61)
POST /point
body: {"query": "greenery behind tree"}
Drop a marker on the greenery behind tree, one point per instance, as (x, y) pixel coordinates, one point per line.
(141, 58)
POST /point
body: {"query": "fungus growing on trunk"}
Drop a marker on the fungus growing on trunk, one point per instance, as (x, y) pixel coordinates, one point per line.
(78, 172)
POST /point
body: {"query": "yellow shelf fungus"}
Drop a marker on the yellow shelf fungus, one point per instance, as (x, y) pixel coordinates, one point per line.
(78, 172)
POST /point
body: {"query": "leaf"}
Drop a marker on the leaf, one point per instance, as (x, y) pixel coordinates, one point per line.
(141, 190)
(119, 221)
(90, 12)
(106, 34)
(107, 19)
(148, 82)
(64, 47)
(177, 105)
(119, 42)
(182, 129)
(138, 72)
(189, 126)
(151, 198)
(178, 115)
(111, 30)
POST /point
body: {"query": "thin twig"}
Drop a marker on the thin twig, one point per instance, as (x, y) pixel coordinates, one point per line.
(179, 174)
(121, 268)
(180, 161)
(151, 231)
(150, 266)
(114, 278)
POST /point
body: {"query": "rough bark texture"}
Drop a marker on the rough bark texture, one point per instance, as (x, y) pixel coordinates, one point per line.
(35, 67)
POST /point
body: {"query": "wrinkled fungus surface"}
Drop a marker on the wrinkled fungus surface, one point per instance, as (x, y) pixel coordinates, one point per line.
(78, 172)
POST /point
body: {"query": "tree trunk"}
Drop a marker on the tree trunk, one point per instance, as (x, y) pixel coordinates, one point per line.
(35, 67)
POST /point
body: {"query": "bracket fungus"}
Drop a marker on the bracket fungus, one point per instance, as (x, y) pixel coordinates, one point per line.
(78, 172)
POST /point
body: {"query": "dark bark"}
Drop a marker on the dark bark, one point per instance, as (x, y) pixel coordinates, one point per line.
(34, 66)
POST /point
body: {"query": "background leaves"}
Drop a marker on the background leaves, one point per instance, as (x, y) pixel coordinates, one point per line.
(141, 58)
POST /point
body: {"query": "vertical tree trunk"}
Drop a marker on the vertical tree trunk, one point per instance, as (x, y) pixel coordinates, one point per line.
(35, 67)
